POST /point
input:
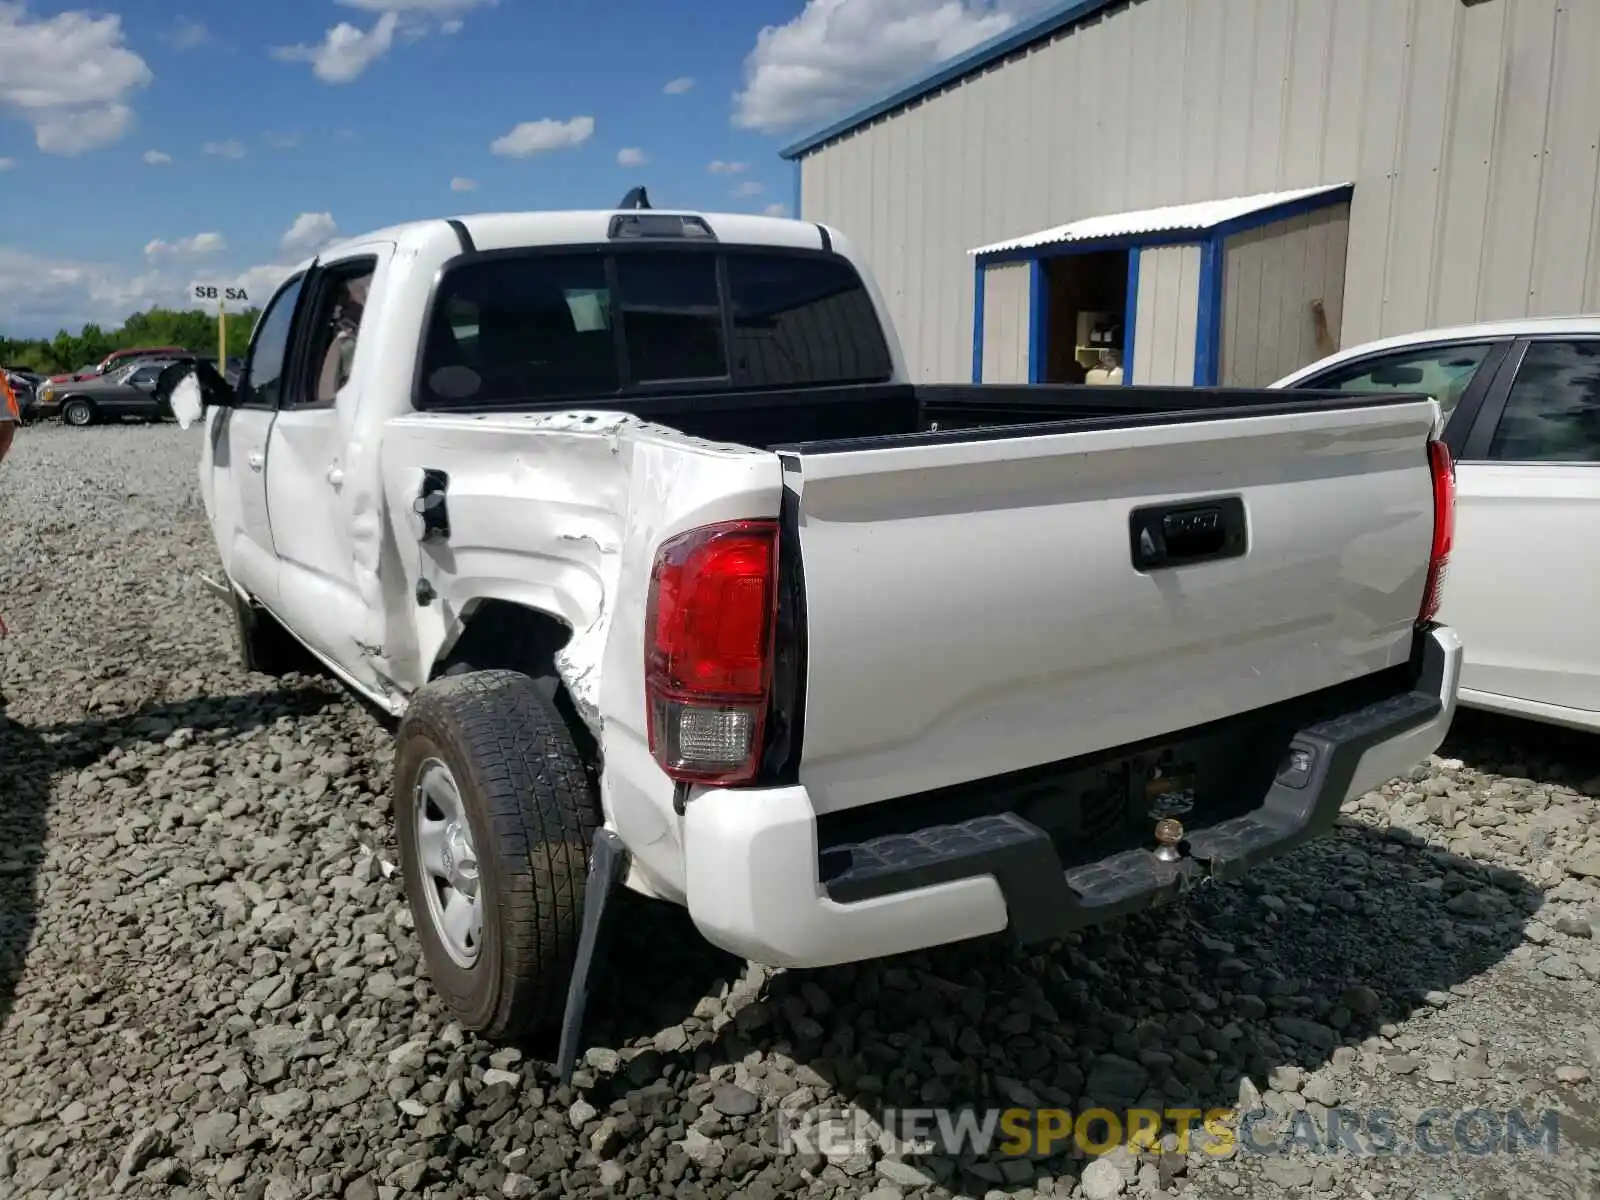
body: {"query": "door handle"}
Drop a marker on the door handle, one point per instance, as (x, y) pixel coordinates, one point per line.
(1178, 535)
(336, 475)
(256, 459)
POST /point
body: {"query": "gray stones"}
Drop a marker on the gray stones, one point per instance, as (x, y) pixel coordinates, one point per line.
(734, 1101)
(1102, 1180)
(219, 992)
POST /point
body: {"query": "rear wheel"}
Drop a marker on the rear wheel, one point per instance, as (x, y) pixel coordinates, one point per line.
(77, 412)
(495, 811)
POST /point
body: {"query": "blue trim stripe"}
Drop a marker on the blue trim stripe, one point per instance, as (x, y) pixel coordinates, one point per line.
(1059, 16)
(977, 325)
(1038, 311)
(1208, 323)
(1130, 317)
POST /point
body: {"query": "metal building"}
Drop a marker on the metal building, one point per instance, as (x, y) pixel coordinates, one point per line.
(1224, 190)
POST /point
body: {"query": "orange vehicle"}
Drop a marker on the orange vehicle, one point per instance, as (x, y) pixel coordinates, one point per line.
(10, 417)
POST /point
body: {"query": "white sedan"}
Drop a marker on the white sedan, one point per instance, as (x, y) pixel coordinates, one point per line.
(1523, 406)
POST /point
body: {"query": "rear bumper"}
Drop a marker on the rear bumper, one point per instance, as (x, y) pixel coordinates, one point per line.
(756, 886)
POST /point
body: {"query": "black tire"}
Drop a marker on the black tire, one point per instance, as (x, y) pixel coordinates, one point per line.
(533, 809)
(77, 411)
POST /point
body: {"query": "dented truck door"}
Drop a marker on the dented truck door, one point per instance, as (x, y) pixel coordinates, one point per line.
(306, 458)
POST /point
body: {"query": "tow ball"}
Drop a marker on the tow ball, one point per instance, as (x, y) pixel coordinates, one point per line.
(1169, 833)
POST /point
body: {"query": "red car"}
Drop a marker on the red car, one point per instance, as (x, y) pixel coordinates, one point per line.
(115, 358)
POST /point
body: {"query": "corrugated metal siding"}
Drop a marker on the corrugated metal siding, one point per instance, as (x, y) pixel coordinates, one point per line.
(1169, 303)
(1006, 306)
(1270, 276)
(1471, 133)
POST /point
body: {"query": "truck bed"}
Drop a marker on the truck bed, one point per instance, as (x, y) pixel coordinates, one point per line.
(824, 420)
(977, 580)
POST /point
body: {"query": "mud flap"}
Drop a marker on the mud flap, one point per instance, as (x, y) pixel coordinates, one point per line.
(607, 863)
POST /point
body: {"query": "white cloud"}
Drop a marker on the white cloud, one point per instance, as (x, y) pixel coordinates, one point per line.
(260, 282)
(678, 86)
(158, 158)
(231, 148)
(40, 295)
(462, 184)
(750, 187)
(775, 210)
(70, 76)
(310, 232)
(186, 35)
(838, 54)
(200, 243)
(419, 18)
(631, 156)
(718, 167)
(539, 137)
(7, 163)
(345, 51)
(281, 141)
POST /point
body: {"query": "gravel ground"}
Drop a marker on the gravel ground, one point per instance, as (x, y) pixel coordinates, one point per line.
(209, 984)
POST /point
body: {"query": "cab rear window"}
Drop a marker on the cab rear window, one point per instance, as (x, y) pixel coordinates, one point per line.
(508, 329)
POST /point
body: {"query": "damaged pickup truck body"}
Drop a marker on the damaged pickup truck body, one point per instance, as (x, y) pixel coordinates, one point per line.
(675, 581)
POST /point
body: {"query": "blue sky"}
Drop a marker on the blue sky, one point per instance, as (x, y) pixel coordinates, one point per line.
(151, 142)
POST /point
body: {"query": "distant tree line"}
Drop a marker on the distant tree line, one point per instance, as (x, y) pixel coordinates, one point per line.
(193, 330)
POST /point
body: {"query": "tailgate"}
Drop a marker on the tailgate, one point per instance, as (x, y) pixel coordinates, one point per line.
(974, 606)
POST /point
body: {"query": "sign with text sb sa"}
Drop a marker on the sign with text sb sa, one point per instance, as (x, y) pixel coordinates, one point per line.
(217, 293)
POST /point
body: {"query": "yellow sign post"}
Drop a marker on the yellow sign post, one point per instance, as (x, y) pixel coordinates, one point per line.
(219, 294)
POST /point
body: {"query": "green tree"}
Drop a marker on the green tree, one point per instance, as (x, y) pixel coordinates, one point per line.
(192, 329)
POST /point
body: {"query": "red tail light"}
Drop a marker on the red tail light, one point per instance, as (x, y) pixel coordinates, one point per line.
(1444, 527)
(708, 650)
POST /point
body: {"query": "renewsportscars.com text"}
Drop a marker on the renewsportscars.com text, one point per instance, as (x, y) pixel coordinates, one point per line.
(1217, 1132)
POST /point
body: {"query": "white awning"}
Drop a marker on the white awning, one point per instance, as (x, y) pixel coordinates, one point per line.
(1177, 218)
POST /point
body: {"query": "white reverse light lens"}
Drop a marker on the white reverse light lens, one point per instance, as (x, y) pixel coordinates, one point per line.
(714, 735)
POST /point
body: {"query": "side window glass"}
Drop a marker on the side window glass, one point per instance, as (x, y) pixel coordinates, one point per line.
(1443, 372)
(1552, 412)
(336, 329)
(263, 373)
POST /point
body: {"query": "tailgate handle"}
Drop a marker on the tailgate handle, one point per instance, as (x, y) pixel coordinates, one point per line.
(1176, 535)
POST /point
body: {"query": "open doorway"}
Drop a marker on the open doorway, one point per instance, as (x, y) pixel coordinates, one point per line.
(1086, 302)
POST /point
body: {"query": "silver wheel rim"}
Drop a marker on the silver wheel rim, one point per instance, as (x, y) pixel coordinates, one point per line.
(449, 862)
(77, 414)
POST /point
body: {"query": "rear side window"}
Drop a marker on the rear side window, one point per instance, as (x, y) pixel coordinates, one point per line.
(1553, 410)
(565, 327)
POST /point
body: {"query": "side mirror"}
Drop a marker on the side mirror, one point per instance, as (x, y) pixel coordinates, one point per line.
(189, 387)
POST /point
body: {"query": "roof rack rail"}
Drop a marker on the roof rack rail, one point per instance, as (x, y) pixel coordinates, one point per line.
(636, 198)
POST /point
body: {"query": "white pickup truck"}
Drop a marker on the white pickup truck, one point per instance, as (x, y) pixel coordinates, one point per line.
(675, 581)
